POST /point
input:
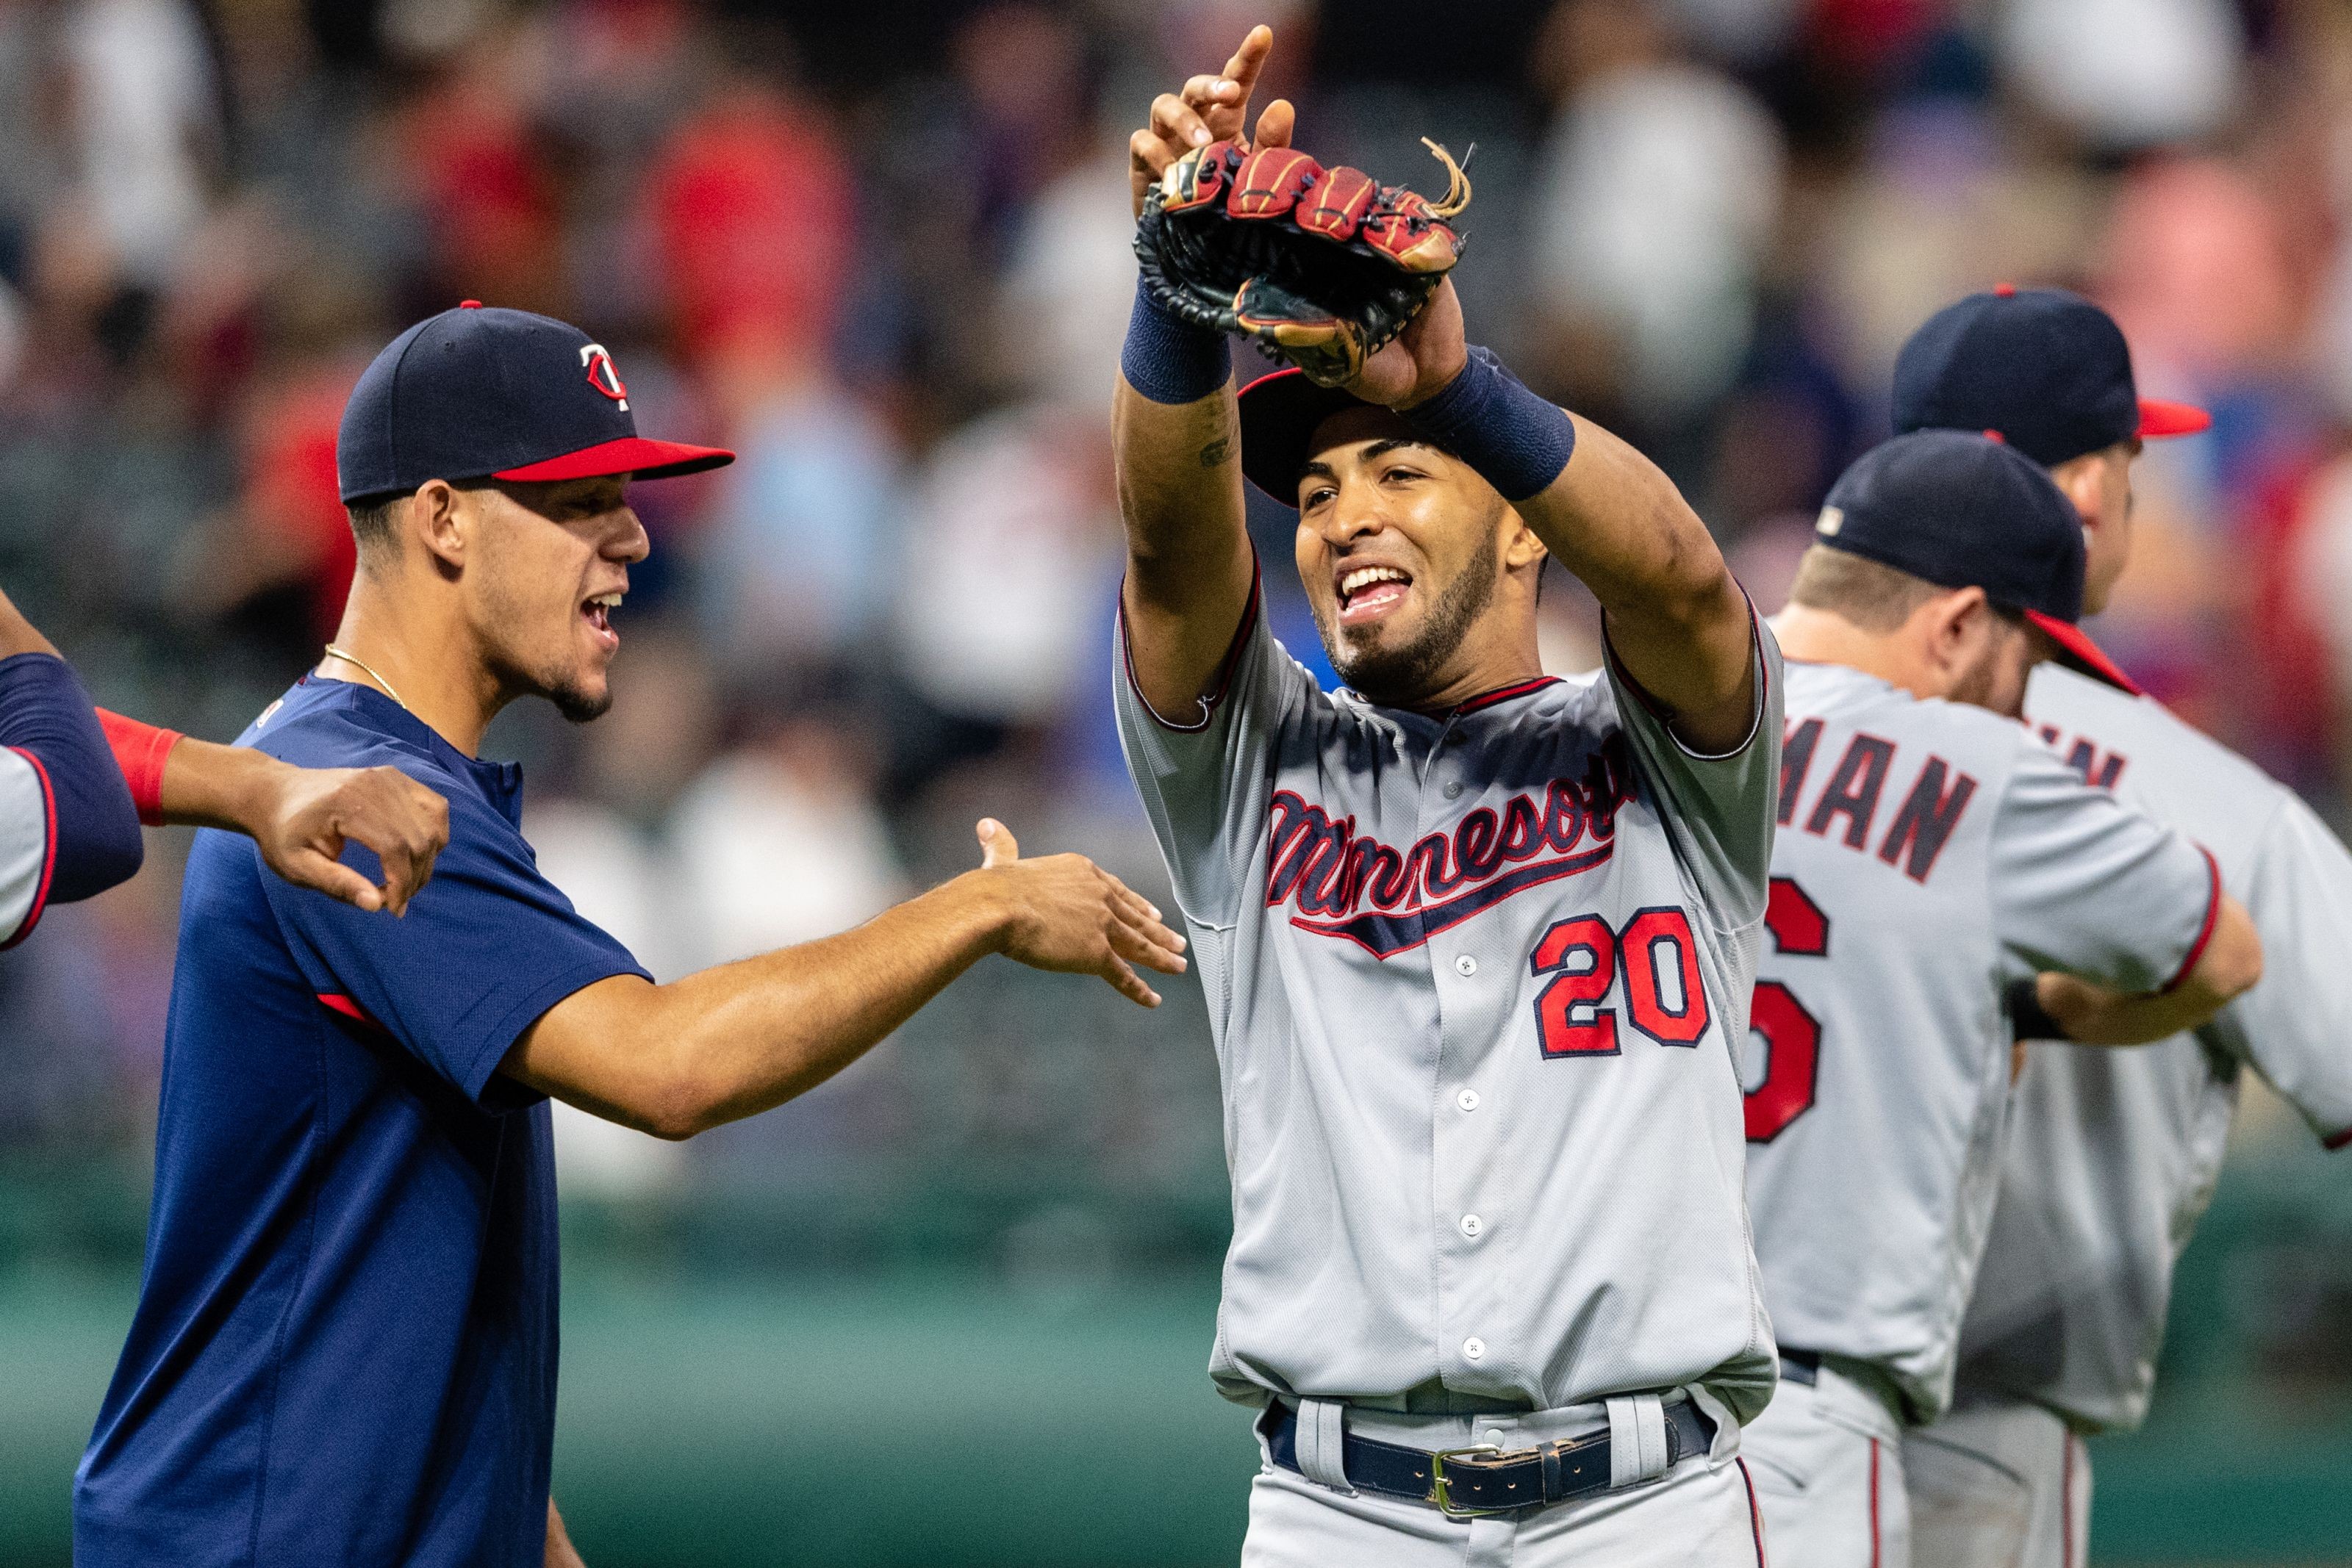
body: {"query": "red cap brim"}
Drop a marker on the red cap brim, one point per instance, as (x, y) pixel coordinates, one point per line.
(632, 455)
(2159, 418)
(2078, 652)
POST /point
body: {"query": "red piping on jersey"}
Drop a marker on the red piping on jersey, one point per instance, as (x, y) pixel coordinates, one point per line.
(2205, 931)
(2338, 1141)
(1225, 669)
(1873, 1504)
(2067, 1501)
(1755, 1514)
(48, 853)
(1504, 694)
(336, 1003)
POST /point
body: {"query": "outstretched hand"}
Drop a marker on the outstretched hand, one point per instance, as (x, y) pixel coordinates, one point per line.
(1209, 109)
(1066, 913)
(301, 818)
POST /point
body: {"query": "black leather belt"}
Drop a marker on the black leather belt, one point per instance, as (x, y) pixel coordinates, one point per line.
(1467, 1482)
(1800, 1367)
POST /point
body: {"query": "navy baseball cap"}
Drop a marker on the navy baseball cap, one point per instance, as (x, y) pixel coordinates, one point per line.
(1280, 413)
(1966, 510)
(476, 393)
(2047, 369)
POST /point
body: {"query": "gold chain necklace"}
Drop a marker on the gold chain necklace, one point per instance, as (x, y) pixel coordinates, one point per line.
(348, 658)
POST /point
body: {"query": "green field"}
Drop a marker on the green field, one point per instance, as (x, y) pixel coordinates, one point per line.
(909, 1420)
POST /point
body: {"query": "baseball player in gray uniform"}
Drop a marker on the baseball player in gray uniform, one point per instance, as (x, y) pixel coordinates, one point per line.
(1477, 943)
(2111, 1155)
(1931, 851)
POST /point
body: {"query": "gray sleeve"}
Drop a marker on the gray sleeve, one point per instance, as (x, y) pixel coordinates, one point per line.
(25, 846)
(2083, 884)
(1719, 809)
(2296, 1027)
(1203, 777)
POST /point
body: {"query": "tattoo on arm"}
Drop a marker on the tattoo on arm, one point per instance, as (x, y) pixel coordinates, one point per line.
(1213, 454)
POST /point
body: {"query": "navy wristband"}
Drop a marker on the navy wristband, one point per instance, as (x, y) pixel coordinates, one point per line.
(44, 713)
(1487, 417)
(1169, 359)
(2028, 1019)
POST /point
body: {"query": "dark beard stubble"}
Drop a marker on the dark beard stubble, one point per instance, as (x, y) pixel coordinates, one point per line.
(1395, 677)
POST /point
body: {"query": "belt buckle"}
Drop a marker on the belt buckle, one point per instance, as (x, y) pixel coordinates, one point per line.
(1438, 1493)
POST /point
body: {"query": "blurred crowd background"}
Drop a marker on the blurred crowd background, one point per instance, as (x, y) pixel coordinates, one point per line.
(881, 250)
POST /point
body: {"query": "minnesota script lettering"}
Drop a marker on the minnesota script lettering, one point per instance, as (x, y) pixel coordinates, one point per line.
(1330, 871)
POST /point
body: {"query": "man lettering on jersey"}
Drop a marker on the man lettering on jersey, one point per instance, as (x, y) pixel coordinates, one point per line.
(1476, 942)
(1931, 851)
(2111, 1155)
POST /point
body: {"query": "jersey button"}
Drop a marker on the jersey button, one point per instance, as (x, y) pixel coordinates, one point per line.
(1474, 1349)
(1454, 791)
(1467, 1099)
(1465, 966)
(1473, 1227)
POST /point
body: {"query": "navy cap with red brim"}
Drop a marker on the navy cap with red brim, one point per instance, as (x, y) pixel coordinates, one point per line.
(486, 393)
(2078, 652)
(1280, 413)
(638, 456)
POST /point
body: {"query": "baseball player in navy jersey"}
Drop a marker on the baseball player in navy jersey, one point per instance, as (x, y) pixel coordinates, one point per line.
(2111, 1155)
(345, 1344)
(76, 782)
(1477, 943)
(1931, 852)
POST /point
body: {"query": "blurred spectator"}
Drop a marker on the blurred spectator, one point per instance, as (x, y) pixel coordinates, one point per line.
(2126, 73)
(779, 840)
(141, 103)
(748, 208)
(1660, 183)
(1013, 544)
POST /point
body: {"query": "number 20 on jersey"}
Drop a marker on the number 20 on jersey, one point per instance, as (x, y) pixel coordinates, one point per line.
(1655, 954)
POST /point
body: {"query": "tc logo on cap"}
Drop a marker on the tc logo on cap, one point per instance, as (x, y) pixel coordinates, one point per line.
(602, 374)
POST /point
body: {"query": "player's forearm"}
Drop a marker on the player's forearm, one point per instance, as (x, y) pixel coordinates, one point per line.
(734, 1040)
(209, 786)
(1176, 446)
(1676, 618)
(2091, 1014)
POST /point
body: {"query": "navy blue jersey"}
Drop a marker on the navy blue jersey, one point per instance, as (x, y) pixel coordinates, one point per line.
(345, 1347)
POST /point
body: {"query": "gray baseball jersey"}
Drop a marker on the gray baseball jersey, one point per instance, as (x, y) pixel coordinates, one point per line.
(1476, 982)
(2113, 1154)
(25, 845)
(1929, 853)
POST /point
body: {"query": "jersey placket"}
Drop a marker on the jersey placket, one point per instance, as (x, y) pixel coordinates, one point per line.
(1477, 1345)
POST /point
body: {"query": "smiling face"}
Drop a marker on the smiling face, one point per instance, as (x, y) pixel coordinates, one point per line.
(1403, 551)
(544, 573)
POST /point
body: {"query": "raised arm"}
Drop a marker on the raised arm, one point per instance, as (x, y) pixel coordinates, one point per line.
(1174, 430)
(1676, 618)
(736, 1040)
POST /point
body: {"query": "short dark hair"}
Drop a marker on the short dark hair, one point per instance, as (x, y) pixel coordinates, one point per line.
(1870, 594)
(371, 521)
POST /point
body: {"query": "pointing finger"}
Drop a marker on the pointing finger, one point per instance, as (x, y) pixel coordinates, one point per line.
(1250, 59)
